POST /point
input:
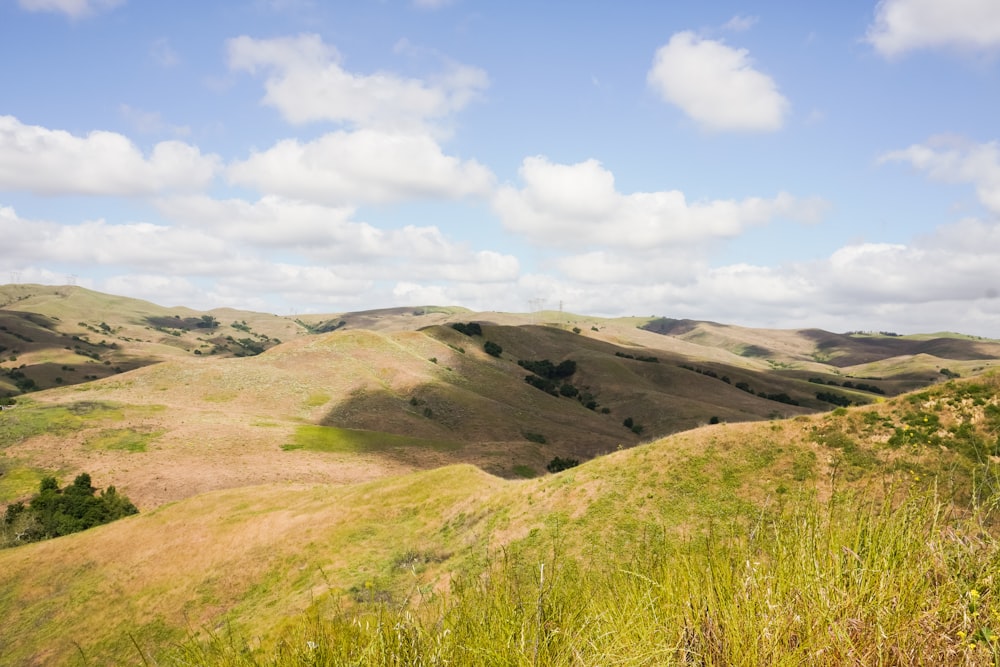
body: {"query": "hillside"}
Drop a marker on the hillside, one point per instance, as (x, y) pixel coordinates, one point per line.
(246, 562)
(351, 397)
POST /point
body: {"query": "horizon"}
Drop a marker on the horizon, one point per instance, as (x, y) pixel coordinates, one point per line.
(526, 313)
(748, 163)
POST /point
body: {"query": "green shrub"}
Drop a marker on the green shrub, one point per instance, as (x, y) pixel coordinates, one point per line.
(568, 390)
(559, 464)
(53, 512)
(469, 329)
(492, 349)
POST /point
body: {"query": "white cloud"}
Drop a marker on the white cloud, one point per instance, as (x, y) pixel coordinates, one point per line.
(740, 23)
(907, 25)
(716, 85)
(578, 205)
(361, 166)
(71, 8)
(603, 266)
(50, 162)
(142, 246)
(952, 160)
(306, 82)
(324, 234)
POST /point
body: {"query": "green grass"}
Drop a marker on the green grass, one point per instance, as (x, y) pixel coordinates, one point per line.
(317, 399)
(122, 439)
(347, 440)
(17, 481)
(849, 581)
(31, 419)
(525, 471)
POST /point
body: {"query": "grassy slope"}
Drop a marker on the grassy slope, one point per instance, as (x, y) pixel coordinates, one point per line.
(251, 557)
(200, 424)
(69, 335)
(193, 424)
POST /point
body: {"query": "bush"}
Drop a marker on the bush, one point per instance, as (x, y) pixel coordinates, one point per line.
(547, 369)
(559, 464)
(492, 349)
(469, 329)
(546, 385)
(834, 398)
(568, 390)
(535, 437)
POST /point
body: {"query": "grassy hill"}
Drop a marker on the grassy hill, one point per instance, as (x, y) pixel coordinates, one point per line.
(386, 392)
(378, 480)
(877, 498)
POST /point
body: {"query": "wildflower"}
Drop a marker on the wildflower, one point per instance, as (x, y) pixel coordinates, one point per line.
(962, 634)
(973, 594)
(311, 645)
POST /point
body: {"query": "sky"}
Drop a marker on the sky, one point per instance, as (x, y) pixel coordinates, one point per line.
(767, 164)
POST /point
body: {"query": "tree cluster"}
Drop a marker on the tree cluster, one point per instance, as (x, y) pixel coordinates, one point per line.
(469, 329)
(54, 512)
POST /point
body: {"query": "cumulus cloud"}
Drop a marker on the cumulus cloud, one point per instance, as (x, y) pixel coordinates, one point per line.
(952, 160)
(617, 267)
(326, 235)
(307, 82)
(716, 85)
(946, 276)
(329, 235)
(143, 246)
(203, 259)
(578, 205)
(50, 162)
(907, 25)
(71, 8)
(361, 166)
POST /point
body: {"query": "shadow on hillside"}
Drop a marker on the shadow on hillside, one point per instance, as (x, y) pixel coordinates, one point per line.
(841, 350)
(482, 411)
(440, 423)
(23, 333)
(667, 326)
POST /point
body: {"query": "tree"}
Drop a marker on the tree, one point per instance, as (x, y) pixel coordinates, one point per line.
(492, 349)
(53, 512)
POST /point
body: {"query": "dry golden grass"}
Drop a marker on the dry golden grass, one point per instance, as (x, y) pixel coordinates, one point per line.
(249, 557)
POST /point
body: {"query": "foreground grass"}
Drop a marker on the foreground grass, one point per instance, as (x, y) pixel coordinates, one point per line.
(846, 581)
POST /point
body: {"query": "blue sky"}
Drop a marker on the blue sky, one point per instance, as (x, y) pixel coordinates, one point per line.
(765, 164)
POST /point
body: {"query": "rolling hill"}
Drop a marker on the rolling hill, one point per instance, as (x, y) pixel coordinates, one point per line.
(332, 465)
(244, 561)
